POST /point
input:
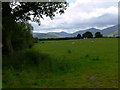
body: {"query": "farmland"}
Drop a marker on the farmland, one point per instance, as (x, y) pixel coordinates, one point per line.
(82, 63)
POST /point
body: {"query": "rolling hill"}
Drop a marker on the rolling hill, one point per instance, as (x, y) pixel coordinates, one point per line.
(110, 31)
(93, 30)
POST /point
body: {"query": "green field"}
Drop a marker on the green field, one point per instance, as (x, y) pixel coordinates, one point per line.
(84, 63)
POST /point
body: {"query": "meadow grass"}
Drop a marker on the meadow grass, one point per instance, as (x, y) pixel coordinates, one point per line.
(88, 63)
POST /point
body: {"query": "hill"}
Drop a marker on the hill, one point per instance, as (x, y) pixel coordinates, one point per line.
(93, 30)
(110, 31)
(45, 35)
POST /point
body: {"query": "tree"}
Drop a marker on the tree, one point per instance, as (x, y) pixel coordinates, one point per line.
(22, 36)
(22, 12)
(79, 36)
(87, 35)
(98, 35)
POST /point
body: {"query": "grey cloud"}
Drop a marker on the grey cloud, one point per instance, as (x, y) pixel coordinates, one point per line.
(103, 20)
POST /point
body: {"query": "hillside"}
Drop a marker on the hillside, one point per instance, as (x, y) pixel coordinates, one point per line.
(93, 30)
(110, 31)
(45, 35)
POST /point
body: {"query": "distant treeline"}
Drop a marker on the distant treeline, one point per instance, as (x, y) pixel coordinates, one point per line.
(64, 38)
(69, 38)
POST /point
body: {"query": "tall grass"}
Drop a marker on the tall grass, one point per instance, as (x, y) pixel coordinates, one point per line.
(31, 58)
(26, 58)
(31, 62)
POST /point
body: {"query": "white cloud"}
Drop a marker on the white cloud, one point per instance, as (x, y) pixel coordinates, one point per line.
(82, 14)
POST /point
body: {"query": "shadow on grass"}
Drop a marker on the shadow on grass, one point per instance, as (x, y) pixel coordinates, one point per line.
(27, 58)
(31, 58)
(29, 64)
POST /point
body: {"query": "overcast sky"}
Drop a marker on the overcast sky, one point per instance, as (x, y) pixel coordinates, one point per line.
(80, 15)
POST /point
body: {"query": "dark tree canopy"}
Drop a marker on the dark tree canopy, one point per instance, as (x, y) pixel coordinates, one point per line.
(98, 35)
(87, 35)
(79, 36)
(22, 11)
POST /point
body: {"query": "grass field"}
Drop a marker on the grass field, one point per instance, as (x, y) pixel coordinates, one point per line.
(84, 63)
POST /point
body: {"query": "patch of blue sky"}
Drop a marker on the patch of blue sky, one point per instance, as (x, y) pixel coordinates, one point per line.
(69, 1)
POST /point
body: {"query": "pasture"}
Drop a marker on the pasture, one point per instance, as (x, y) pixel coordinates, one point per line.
(83, 63)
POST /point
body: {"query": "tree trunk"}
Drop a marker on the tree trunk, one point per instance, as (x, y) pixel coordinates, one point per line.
(7, 28)
(9, 44)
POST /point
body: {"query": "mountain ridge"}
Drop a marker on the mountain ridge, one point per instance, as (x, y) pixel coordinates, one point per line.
(106, 32)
